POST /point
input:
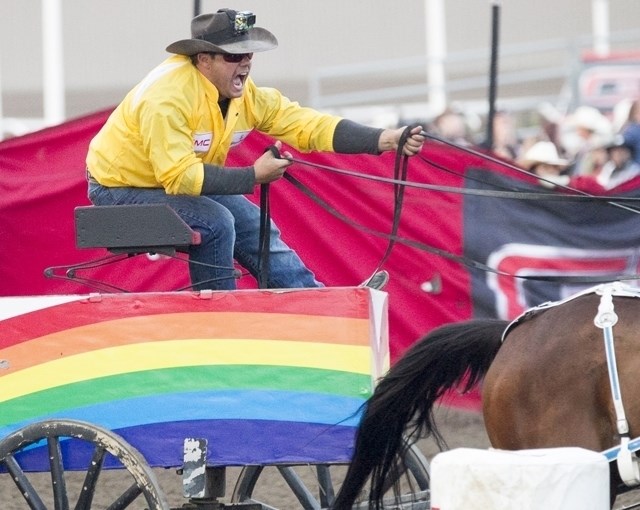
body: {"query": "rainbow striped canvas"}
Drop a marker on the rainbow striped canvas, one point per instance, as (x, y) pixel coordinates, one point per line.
(266, 377)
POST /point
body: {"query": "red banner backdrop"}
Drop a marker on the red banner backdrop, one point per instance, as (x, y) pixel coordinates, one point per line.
(42, 180)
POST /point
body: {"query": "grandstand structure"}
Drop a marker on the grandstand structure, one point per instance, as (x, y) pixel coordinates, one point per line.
(373, 61)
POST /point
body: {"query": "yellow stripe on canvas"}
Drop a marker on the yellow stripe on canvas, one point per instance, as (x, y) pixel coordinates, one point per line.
(166, 354)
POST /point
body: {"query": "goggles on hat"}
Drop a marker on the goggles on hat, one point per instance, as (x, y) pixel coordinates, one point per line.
(242, 21)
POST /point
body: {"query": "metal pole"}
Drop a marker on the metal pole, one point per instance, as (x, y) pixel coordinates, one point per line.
(53, 62)
(600, 23)
(436, 52)
(196, 7)
(493, 70)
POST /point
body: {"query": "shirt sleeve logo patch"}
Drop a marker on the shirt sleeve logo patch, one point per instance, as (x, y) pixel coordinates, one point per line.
(202, 142)
(239, 136)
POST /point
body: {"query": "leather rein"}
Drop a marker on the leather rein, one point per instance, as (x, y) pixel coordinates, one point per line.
(400, 182)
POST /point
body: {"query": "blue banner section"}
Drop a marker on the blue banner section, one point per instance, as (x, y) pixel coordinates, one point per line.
(230, 443)
(542, 239)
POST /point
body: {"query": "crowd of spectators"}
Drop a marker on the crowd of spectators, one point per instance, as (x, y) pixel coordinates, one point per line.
(585, 148)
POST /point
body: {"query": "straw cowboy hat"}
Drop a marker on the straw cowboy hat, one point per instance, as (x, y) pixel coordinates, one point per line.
(543, 152)
(226, 31)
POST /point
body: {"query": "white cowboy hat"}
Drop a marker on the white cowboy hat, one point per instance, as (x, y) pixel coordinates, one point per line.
(543, 152)
(588, 117)
(226, 31)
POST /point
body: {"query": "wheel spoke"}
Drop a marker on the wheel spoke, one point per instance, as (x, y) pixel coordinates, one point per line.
(327, 492)
(127, 497)
(246, 483)
(299, 489)
(91, 479)
(26, 489)
(60, 499)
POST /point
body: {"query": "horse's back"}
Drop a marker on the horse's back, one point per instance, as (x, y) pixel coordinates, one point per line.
(548, 385)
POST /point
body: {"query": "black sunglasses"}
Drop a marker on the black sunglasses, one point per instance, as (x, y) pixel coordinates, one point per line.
(236, 57)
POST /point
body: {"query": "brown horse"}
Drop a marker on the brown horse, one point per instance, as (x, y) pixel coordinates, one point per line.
(544, 385)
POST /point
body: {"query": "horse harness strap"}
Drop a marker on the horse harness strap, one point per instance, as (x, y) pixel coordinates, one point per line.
(605, 319)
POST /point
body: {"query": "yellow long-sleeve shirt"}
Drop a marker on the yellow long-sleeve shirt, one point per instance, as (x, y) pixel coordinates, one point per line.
(170, 124)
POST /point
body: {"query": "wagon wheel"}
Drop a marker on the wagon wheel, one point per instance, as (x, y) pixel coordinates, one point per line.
(313, 485)
(96, 489)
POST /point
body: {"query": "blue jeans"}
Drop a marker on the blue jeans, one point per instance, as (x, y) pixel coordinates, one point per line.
(229, 226)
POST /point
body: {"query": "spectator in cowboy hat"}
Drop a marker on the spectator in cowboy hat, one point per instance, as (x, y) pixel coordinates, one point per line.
(542, 159)
(621, 166)
(583, 130)
(631, 127)
(167, 142)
